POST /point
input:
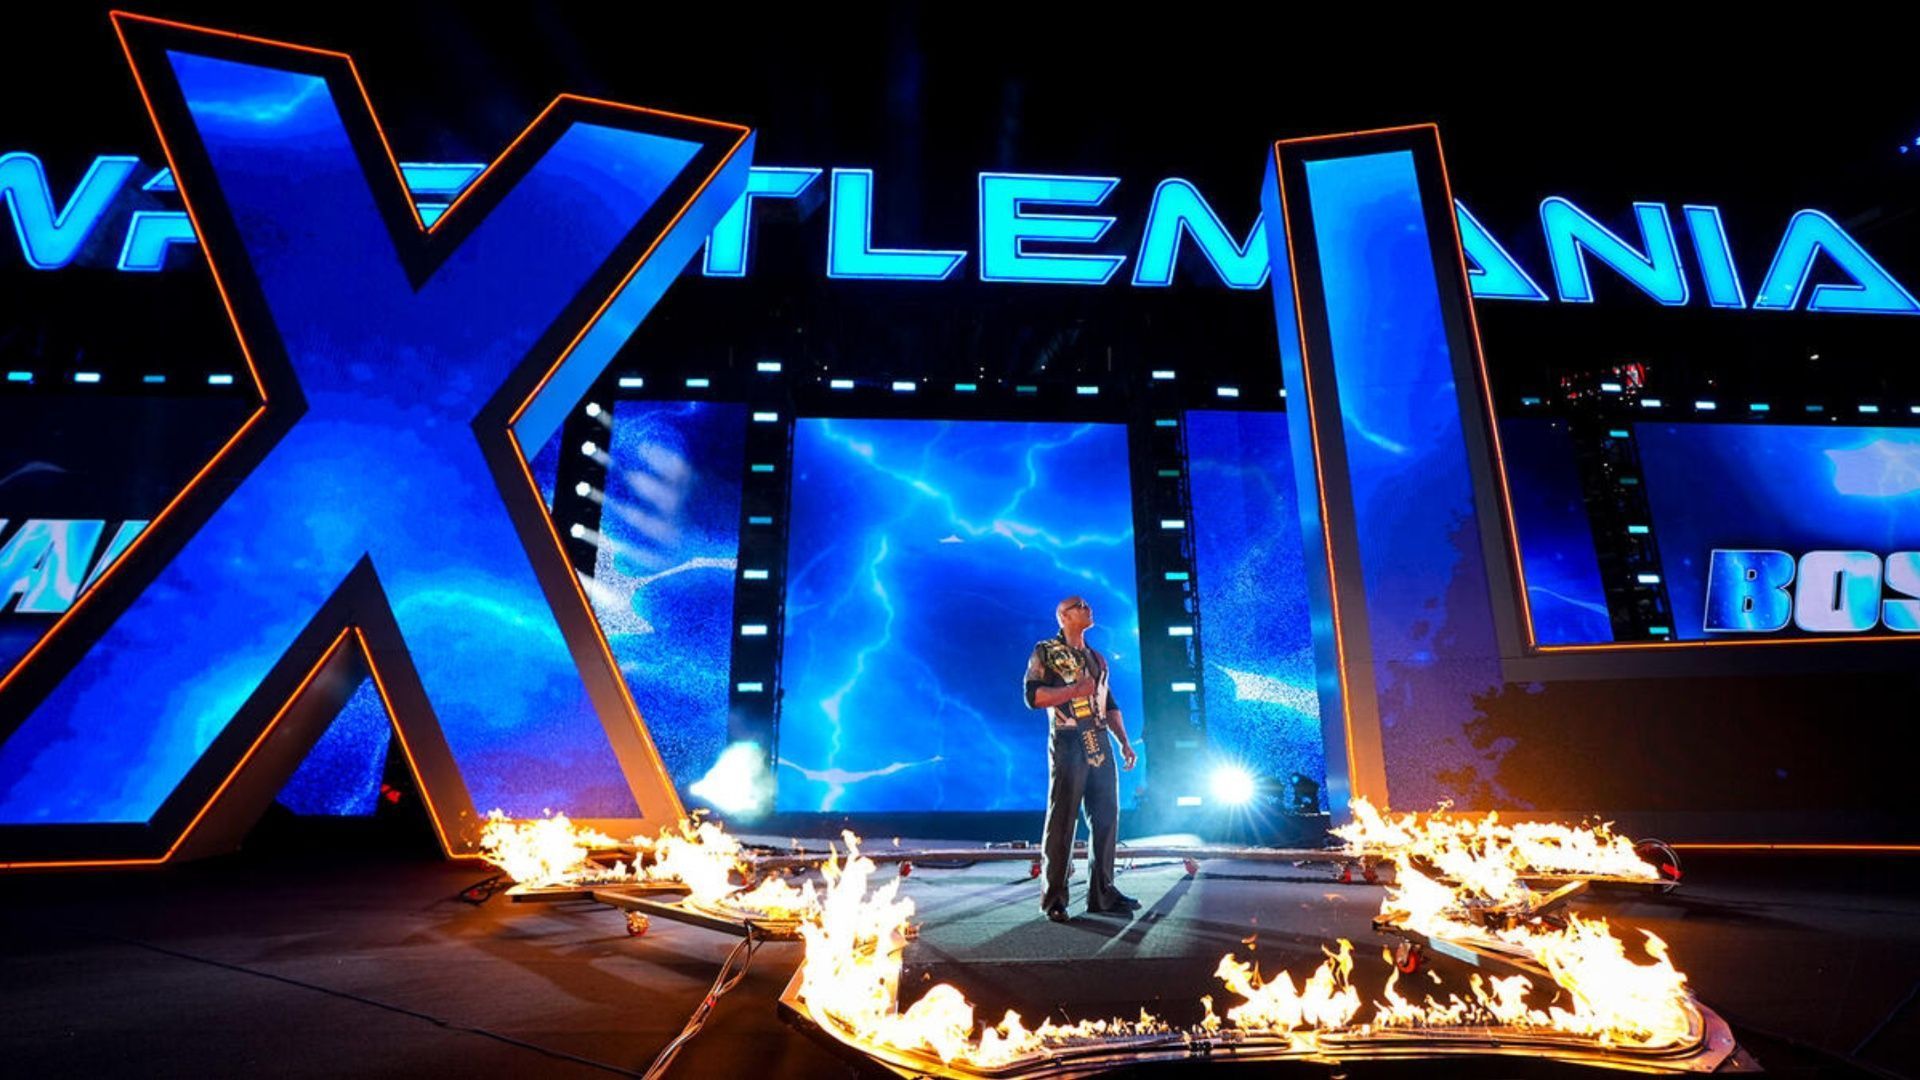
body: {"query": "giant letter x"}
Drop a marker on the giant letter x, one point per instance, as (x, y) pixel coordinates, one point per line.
(389, 504)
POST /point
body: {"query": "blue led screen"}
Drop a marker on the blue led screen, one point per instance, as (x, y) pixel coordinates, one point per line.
(662, 583)
(925, 559)
(1256, 635)
(1564, 593)
(1787, 488)
(341, 774)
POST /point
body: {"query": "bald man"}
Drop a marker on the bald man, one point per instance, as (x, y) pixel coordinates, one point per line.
(1068, 678)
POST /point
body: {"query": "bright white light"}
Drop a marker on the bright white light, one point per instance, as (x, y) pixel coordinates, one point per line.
(582, 488)
(593, 408)
(576, 530)
(1232, 785)
(738, 783)
(589, 448)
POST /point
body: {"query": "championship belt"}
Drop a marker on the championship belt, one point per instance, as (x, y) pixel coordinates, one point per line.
(1093, 740)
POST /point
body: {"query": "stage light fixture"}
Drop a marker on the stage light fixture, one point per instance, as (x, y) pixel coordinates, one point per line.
(593, 408)
(1232, 785)
(20, 376)
(1306, 794)
(582, 488)
(153, 380)
(86, 376)
(589, 448)
(576, 530)
(632, 382)
(219, 380)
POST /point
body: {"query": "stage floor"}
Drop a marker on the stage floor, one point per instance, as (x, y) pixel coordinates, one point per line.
(367, 964)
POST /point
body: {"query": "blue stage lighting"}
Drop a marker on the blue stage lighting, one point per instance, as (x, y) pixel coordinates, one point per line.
(1232, 785)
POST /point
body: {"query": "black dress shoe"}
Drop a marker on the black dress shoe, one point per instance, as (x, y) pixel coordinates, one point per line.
(1120, 904)
(1057, 912)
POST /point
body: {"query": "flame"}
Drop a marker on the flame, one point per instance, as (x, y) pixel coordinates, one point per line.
(1476, 895)
(1325, 1002)
(1457, 846)
(550, 850)
(850, 976)
(700, 855)
(1611, 998)
(1455, 880)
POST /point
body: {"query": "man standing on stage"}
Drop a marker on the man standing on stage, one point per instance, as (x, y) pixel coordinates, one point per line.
(1068, 678)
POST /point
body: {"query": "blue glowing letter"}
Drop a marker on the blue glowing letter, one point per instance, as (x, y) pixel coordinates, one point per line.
(51, 239)
(123, 538)
(1494, 274)
(1839, 592)
(1873, 292)
(728, 247)
(1572, 235)
(1005, 228)
(1716, 257)
(850, 253)
(44, 562)
(1179, 208)
(149, 236)
(1747, 591)
(404, 376)
(1902, 614)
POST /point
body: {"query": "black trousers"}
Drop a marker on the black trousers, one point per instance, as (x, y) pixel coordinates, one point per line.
(1071, 782)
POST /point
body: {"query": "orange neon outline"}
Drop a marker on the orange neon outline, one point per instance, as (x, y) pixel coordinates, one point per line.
(226, 304)
(400, 733)
(1313, 427)
(1492, 420)
(533, 488)
(259, 740)
(633, 712)
(1319, 472)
